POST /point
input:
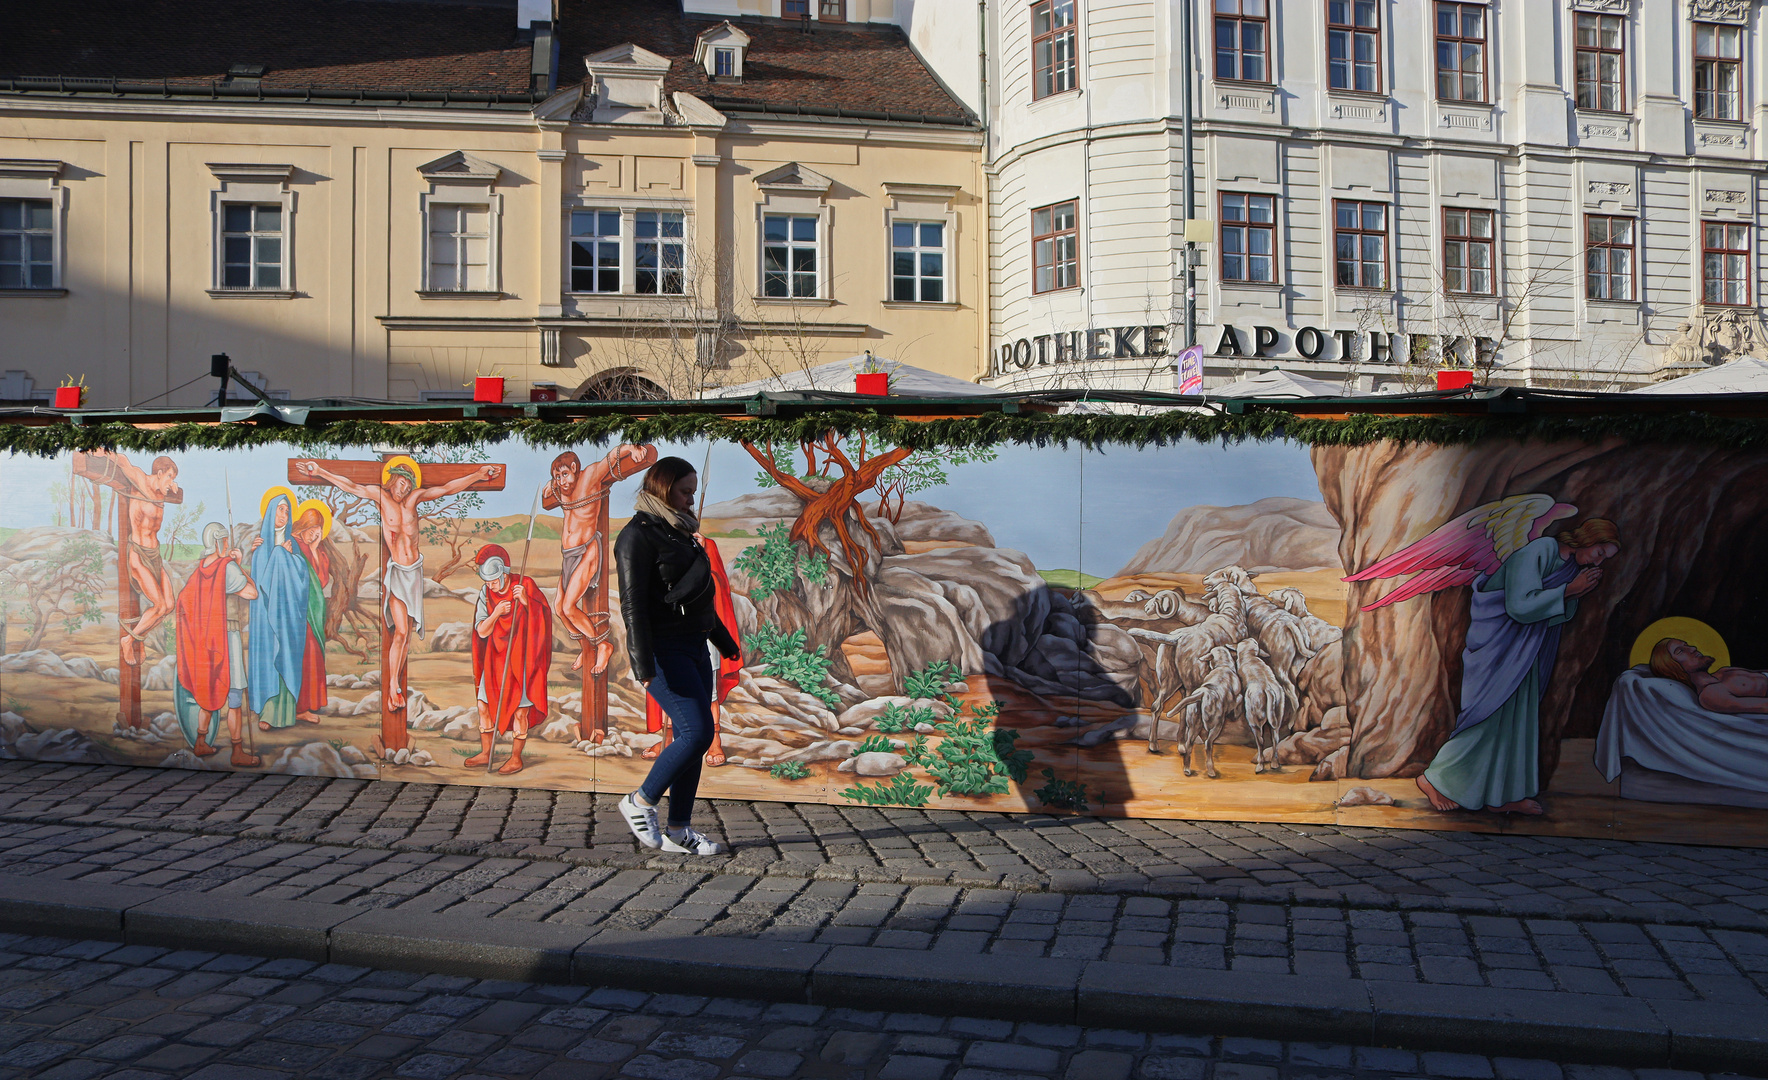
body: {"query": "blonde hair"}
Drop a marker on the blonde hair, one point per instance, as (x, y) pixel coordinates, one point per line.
(1664, 665)
(1592, 532)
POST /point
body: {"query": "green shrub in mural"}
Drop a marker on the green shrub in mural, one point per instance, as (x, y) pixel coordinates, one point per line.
(788, 770)
(1062, 794)
(787, 658)
(899, 790)
(776, 564)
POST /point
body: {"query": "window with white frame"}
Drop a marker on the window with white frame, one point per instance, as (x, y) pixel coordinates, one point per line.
(724, 62)
(595, 251)
(27, 244)
(460, 247)
(252, 247)
(788, 256)
(917, 261)
(1055, 61)
(659, 252)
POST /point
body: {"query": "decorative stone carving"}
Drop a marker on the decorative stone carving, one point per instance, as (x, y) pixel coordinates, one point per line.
(1727, 11)
(1608, 187)
(1732, 334)
(1727, 198)
(1608, 129)
(1608, 7)
(1724, 138)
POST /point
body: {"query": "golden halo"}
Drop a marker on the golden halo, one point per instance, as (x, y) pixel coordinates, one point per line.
(417, 471)
(325, 513)
(264, 503)
(1693, 631)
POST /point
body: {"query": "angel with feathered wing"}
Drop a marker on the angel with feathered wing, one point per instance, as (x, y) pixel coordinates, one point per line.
(1525, 587)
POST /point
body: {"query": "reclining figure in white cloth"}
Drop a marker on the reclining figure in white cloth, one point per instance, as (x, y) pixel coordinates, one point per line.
(1727, 690)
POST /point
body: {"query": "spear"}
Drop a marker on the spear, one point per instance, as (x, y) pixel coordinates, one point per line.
(227, 485)
(509, 647)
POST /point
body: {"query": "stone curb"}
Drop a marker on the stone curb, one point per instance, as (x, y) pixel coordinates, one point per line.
(1599, 1029)
(1058, 881)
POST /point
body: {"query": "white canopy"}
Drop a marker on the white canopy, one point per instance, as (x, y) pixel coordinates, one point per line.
(1277, 383)
(906, 380)
(1746, 376)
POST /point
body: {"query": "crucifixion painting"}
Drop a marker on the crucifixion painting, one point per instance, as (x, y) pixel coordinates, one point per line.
(142, 497)
(397, 486)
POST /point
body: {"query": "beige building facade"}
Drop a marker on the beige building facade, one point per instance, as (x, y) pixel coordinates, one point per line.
(604, 234)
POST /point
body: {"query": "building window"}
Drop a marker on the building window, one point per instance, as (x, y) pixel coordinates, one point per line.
(1249, 238)
(1353, 45)
(1240, 41)
(1608, 257)
(788, 256)
(27, 244)
(1467, 251)
(917, 261)
(1055, 258)
(724, 62)
(460, 247)
(251, 246)
(832, 11)
(595, 251)
(1725, 262)
(1360, 237)
(1718, 63)
(1601, 62)
(795, 9)
(1461, 52)
(1055, 61)
(659, 252)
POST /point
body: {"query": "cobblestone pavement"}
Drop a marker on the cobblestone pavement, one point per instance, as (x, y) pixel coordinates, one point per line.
(82, 1010)
(180, 840)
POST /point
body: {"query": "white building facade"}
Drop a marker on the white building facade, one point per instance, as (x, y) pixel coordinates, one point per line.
(1560, 192)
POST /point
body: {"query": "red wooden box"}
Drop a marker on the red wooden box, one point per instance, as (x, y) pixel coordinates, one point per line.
(68, 397)
(876, 383)
(488, 388)
(1454, 380)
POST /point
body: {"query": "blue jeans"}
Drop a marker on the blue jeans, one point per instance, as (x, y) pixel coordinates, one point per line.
(683, 687)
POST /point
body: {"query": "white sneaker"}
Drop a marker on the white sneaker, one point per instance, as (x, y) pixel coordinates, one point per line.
(692, 843)
(642, 820)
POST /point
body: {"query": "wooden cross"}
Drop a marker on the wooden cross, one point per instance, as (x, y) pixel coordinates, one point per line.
(592, 720)
(103, 471)
(368, 474)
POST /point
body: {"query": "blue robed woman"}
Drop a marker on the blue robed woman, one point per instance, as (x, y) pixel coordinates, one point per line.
(278, 619)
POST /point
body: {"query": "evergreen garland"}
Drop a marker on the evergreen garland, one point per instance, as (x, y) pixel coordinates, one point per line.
(990, 429)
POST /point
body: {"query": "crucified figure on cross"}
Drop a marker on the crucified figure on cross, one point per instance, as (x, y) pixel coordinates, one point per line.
(582, 495)
(149, 492)
(402, 576)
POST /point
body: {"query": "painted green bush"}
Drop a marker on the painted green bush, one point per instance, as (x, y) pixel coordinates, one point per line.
(788, 659)
(788, 770)
(873, 744)
(974, 759)
(776, 564)
(899, 790)
(931, 681)
(1062, 794)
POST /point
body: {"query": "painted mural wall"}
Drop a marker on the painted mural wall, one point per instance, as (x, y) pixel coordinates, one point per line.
(1557, 638)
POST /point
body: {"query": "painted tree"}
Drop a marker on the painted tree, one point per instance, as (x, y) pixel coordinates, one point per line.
(61, 589)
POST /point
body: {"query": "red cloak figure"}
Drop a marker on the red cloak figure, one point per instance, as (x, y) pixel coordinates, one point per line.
(512, 652)
(729, 671)
(309, 530)
(200, 615)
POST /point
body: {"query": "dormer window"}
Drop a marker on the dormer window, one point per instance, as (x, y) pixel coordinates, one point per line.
(719, 52)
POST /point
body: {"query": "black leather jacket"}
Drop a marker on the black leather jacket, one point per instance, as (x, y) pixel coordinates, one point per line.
(666, 592)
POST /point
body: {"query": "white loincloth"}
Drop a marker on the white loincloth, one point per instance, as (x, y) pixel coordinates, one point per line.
(407, 583)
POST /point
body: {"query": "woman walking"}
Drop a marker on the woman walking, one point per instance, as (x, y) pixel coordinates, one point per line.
(668, 599)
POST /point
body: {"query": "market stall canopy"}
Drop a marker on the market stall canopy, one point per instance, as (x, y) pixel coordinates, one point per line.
(1746, 376)
(1277, 383)
(906, 380)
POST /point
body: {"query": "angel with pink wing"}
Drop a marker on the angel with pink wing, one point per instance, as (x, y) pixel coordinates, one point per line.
(1525, 587)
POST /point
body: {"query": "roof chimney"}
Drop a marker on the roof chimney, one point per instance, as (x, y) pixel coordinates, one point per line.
(529, 12)
(543, 73)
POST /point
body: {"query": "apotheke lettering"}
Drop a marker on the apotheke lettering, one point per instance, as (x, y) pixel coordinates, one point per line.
(1308, 343)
